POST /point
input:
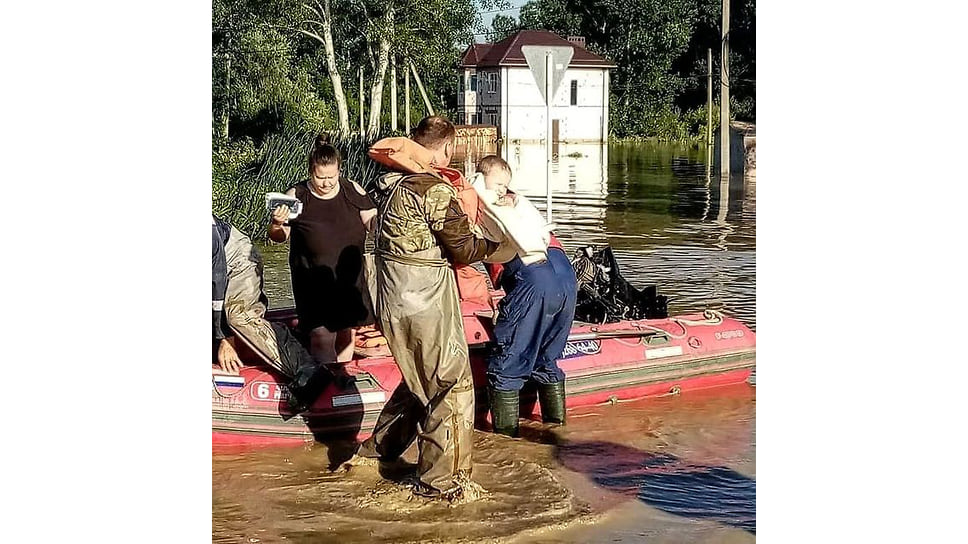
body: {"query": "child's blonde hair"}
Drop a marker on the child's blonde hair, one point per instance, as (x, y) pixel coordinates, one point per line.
(490, 162)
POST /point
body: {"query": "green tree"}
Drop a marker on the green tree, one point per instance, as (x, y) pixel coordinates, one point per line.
(659, 47)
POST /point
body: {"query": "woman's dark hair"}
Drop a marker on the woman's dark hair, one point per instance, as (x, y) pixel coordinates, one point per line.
(323, 154)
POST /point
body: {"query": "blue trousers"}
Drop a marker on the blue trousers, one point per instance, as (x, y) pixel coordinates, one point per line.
(533, 323)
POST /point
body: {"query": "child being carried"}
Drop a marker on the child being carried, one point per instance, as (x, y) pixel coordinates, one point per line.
(508, 218)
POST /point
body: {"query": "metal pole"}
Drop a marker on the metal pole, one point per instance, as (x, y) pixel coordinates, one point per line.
(361, 101)
(393, 94)
(724, 97)
(406, 98)
(709, 97)
(548, 97)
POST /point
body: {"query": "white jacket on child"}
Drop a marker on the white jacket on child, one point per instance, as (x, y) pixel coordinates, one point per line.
(518, 227)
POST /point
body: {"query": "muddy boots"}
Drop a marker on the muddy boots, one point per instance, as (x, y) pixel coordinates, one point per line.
(551, 397)
(504, 411)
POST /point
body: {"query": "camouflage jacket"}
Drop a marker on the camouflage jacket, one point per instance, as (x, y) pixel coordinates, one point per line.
(418, 212)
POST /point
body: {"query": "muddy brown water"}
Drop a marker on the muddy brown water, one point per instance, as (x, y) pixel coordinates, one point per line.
(669, 469)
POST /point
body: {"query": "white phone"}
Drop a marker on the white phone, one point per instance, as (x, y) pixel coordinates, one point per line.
(274, 200)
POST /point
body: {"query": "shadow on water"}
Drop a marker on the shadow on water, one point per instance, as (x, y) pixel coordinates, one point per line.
(666, 482)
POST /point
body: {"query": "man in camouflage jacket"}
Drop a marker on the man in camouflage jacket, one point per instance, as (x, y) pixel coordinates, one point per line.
(421, 233)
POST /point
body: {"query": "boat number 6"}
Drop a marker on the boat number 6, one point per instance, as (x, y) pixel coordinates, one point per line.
(262, 391)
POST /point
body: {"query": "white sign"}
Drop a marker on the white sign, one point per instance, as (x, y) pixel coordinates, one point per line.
(560, 57)
(658, 353)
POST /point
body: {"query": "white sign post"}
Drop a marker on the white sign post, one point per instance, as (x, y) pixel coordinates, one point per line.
(548, 65)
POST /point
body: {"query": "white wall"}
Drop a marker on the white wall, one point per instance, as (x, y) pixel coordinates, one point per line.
(581, 122)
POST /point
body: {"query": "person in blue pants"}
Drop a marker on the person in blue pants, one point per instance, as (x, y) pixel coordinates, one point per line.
(536, 313)
(534, 320)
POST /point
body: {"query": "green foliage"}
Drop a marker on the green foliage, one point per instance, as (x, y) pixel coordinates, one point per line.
(660, 49)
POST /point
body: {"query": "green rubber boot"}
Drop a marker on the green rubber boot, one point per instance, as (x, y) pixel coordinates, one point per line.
(551, 397)
(504, 411)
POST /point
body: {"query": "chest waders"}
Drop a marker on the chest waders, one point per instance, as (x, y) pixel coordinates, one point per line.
(418, 310)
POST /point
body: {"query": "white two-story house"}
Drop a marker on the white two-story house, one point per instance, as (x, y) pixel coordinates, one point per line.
(497, 88)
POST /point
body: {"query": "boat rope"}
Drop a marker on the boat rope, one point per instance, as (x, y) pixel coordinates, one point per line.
(711, 318)
(632, 344)
(217, 392)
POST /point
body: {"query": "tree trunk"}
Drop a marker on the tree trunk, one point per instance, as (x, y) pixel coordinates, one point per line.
(339, 95)
(379, 76)
(376, 92)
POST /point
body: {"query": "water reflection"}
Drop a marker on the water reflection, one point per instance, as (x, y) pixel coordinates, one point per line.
(666, 481)
(668, 219)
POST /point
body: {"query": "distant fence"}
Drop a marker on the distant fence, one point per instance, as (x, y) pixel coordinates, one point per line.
(475, 141)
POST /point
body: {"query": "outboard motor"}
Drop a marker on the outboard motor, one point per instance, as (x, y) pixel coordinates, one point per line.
(604, 296)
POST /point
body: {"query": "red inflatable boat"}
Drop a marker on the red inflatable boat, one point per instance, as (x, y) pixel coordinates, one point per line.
(603, 363)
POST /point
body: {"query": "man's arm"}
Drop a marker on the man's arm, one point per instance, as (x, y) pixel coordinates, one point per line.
(452, 227)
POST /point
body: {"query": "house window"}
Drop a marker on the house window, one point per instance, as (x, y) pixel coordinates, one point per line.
(474, 82)
(491, 82)
(574, 92)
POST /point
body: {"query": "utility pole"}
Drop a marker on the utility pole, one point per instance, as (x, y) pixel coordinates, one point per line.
(393, 94)
(724, 97)
(361, 101)
(709, 97)
(406, 97)
(709, 121)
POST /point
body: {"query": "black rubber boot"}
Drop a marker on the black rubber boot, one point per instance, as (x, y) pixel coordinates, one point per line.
(551, 397)
(504, 411)
(307, 386)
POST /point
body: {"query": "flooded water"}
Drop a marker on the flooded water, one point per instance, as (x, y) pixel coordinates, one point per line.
(674, 469)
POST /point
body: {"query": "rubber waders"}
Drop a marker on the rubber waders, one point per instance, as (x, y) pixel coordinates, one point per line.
(504, 411)
(551, 397)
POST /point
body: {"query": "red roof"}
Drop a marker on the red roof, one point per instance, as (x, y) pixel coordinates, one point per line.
(507, 52)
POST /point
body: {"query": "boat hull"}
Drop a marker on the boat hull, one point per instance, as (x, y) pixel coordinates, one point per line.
(605, 363)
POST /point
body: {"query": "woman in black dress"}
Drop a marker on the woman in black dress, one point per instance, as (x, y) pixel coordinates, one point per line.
(326, 253)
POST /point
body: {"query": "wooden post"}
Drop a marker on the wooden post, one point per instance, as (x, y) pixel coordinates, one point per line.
(393, 94)
(228, 94)
(361, 101)
(724, 97)
(709, 97)
(406, 98)
(423, 92)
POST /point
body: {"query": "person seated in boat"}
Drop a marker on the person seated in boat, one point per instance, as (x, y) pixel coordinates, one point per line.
(326, 254)
(238, 317)
(535, 316)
